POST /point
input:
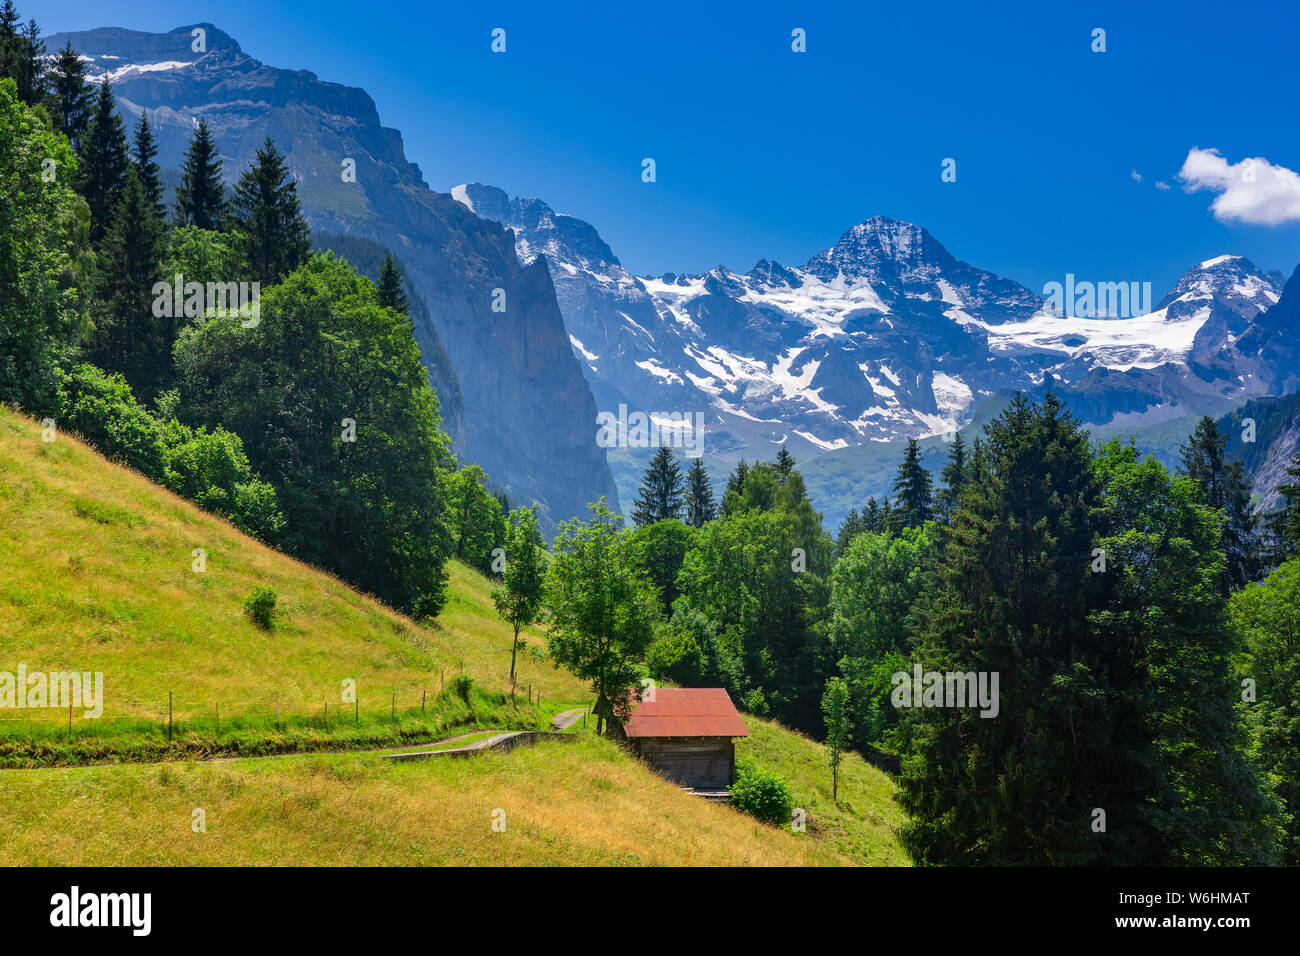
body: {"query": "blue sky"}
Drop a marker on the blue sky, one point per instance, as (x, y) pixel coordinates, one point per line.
(763, 152)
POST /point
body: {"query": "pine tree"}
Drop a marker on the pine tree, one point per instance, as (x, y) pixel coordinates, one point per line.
(1013, 600)
(699, 495)
(871, 515)
(201, 197)
(912, 488)
(1284, 524)
(953, 475)
(268, 217)
(784, 464)
(391, 291)
(11, 41)
(72, 99)
(104, 162)
(889, 521)
(146, 167)
(128, 338)
(31, 68)
(660, 497)
(1223, 482)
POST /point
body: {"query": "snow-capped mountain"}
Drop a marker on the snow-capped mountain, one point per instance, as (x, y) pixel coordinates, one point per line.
(881, 336)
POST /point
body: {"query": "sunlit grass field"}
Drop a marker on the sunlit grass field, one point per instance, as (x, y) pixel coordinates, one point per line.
(864, 824)
(583, 803)
(98, 577)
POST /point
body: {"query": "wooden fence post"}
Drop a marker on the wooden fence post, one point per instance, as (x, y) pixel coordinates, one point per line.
(424, 693)
(277, 711)
(218, 707)
(356, 710)
(169, 716)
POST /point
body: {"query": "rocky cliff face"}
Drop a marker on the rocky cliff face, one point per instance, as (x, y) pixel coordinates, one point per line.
(528, 414)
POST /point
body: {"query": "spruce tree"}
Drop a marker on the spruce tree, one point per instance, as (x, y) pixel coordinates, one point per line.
(912, 489)
(31, 65)
(660, 497)
(871, 515)
(1013, 600)
(146, 167)
(72, 99)
(268, 217)
(392, 294)
(1223, 482)
(889, 521)
(784, 464)
(953, 475)
(104, 162)
(12, 53)
(201, 197)
(699, 495)
(128, 337)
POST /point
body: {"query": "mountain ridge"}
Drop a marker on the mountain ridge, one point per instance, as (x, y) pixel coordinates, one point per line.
(528, 413)
(882, 335)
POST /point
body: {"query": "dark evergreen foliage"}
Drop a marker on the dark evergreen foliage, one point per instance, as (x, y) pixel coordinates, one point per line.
(661, 494)
(201, 196)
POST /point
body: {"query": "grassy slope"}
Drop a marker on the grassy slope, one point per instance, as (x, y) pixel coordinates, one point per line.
(571, 804)
(98, 578)
(863, 825)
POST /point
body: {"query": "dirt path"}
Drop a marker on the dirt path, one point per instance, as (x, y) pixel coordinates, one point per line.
(560, 722)
(567, 719)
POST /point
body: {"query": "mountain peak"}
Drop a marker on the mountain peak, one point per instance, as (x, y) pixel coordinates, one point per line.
(1218, 261)
(881, 247)
(1234, 281)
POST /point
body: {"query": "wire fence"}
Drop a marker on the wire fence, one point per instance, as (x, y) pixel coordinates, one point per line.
(175, 713)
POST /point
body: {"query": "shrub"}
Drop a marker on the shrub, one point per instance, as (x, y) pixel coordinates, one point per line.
(211, 469)
(260, 607)
(100, 407)
(762, 794)
(461, 685)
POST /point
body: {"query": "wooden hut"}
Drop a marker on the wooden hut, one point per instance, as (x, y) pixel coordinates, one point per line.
(687, 734)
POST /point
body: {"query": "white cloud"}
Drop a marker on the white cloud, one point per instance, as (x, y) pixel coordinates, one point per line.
(1162, 185)
(1253, 190)
(1135, 176)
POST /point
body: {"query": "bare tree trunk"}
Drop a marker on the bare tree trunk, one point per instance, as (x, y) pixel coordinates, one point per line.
(513, 649)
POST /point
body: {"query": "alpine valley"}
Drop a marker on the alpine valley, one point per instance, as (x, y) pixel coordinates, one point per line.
(881, 336)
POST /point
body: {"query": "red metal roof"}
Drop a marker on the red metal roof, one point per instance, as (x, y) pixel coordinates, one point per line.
(686, 712)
